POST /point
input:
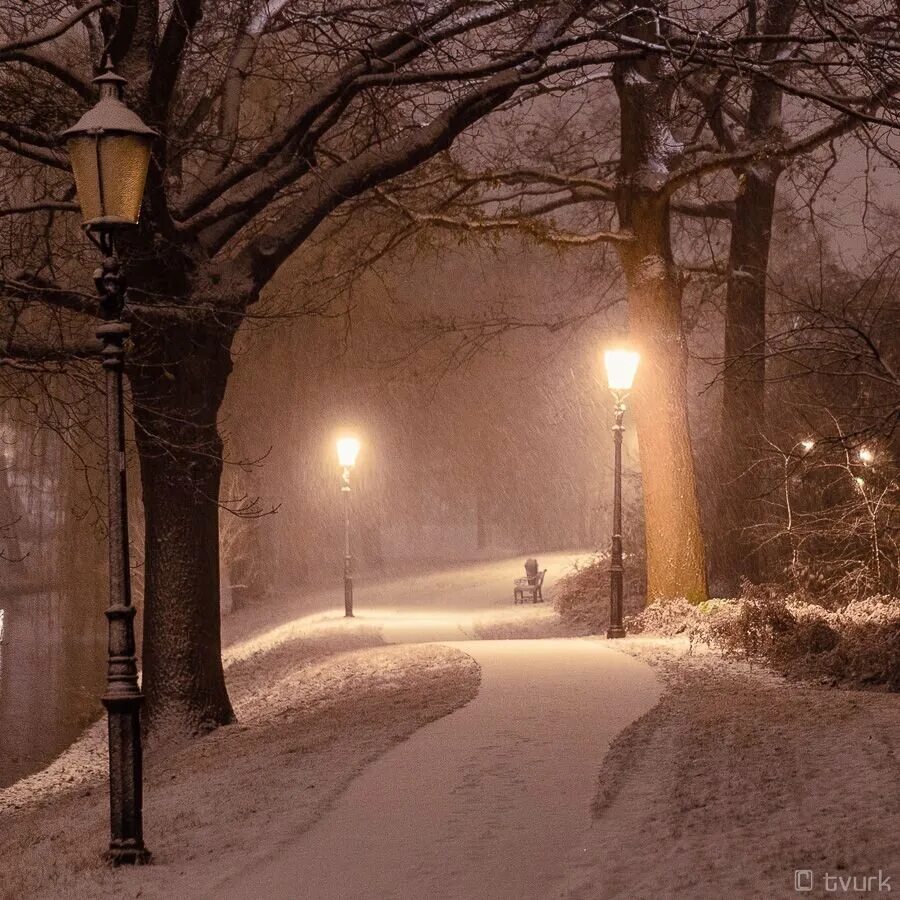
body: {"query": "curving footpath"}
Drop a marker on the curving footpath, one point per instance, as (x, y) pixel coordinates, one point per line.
(492, 801)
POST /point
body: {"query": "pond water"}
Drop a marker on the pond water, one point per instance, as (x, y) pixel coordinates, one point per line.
(52, 675)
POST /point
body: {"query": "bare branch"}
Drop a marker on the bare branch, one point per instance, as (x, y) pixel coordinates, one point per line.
(524, 224)
(40, 206)
(52, 67)
(51, 32)
(183, 18)
(31, 288)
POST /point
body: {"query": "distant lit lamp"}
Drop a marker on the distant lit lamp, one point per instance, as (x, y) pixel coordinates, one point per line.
(347, 450)
(866, 456)
(621, 366)
(109, 149)
(808, 445)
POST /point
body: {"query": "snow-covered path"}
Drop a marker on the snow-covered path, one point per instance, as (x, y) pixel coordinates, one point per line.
(446, 604)
(492, 801)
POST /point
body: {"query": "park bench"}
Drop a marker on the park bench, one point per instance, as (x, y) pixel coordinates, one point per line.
(529, 585)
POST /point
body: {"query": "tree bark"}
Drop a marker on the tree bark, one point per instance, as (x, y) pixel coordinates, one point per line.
(178, 384)
(743, 398)
(676, 558)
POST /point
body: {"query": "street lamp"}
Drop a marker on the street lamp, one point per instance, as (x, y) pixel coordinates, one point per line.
(109, 150)
(621, 366)
(347, 450)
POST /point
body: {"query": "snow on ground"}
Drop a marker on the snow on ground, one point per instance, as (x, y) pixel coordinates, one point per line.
(737, 779)
(308, 726)
(293, 663)
(475, 596)
(731, 783)
(478, 594)
(488, 802)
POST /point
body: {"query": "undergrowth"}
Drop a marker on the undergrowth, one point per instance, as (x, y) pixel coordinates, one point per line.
(853, 644)
(582, 598)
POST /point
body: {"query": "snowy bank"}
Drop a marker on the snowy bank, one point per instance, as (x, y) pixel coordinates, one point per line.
(316, 703)
(739, 778)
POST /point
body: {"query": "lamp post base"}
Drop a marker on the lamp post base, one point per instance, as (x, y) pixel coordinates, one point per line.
(127, 855)
(616, 631)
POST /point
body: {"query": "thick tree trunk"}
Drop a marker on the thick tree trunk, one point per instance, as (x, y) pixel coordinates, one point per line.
(676, 558)
(743, 398)
(178, 384)
(743, 401)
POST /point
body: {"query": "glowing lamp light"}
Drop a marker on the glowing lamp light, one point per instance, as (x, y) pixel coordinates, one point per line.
(621, 366)
(860, 482)
(866, 456)
(347, 450)
(808, 444)
(109, 149)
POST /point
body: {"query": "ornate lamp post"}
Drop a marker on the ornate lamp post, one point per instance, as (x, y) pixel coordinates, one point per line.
(348, 450)
(621, 366)
(109, 150)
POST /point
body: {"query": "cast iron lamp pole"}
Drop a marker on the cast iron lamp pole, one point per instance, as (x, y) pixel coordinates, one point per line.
(110, 153)
(348, 576)
(621, 366)
(616, 569)
(348, 449)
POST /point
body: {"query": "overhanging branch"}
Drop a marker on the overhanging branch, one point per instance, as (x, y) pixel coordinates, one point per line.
(51, 32)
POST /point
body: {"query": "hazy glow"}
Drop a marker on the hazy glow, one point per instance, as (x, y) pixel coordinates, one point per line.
(866, 455)
(621, 366)
(860, 482)
(808, 444)
(348, 450)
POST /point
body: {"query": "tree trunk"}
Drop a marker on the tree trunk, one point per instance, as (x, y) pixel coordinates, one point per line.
(743, 398)
(178, 383)
(676, 558)
(11, 555)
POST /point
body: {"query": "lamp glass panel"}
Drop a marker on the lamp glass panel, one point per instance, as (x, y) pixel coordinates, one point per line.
(621, 366)
(83, 155)
(348, 449)
(124, 160)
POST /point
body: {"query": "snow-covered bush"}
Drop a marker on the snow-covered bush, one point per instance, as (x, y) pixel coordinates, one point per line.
(857, 644)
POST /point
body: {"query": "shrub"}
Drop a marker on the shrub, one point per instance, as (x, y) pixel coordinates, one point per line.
(857, 644)
(582, 598)
(668, 618)
(852, 643)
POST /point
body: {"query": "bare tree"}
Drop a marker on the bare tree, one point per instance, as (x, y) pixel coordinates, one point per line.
(272, 117)
(697, 111)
